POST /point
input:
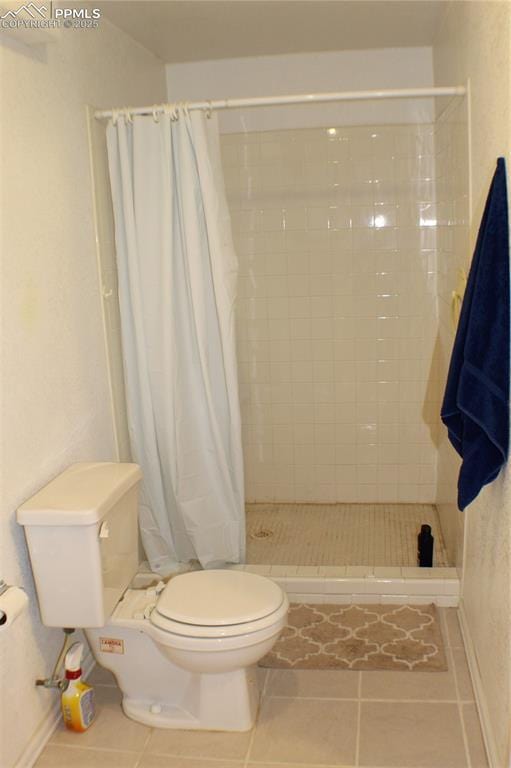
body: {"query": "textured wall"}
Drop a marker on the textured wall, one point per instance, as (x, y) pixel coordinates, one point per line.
(335, 232)
(474, 42)
(56, 399)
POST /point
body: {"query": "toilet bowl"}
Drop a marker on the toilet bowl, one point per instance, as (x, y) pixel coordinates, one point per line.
(218, 621)
(183, 653)
(204, 632)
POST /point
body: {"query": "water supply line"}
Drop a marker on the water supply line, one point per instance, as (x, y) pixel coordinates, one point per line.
(55, 681)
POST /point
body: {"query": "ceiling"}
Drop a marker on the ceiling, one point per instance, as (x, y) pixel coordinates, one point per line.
(195, 30)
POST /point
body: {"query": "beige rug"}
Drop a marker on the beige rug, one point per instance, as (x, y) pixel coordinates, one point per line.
(369, 637)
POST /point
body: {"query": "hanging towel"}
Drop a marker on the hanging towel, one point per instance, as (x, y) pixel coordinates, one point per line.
(475, 409)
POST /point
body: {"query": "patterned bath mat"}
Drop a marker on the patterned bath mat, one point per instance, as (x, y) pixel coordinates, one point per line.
(369, 637)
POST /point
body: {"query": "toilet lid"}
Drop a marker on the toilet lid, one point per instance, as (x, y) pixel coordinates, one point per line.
(196, 631)
(218, 598)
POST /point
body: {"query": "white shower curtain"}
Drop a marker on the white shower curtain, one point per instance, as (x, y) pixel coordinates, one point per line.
(177, 283)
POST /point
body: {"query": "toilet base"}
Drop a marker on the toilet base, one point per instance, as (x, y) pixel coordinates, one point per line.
(158, 693)
(225, 702)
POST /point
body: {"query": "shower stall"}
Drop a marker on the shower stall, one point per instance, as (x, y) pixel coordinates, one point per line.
(350, 237)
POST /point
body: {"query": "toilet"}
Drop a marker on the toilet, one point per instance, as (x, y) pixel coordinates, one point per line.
(183, 652)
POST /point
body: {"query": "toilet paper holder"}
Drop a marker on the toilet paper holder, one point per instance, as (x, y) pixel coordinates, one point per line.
(12, 602)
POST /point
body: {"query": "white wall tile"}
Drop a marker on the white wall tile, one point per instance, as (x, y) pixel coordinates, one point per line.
(336, 312)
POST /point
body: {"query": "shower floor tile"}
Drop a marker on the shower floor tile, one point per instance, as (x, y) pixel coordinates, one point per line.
(340, 534)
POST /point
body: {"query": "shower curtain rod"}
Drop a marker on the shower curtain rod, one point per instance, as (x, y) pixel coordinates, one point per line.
(306, 98)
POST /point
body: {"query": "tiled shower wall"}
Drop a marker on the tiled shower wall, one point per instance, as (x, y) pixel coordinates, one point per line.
(336, 318)
(451, 147)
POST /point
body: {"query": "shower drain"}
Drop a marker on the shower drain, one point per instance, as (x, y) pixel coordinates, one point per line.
(262, 533)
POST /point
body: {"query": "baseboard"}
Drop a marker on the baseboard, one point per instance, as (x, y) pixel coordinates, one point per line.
(43, 732)
(480, 695)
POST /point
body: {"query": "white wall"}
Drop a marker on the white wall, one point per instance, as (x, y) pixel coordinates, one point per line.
(308, 73)
(473, 42)
(56, 406)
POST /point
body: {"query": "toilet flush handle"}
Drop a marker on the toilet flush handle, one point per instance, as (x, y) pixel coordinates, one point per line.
(104, 531)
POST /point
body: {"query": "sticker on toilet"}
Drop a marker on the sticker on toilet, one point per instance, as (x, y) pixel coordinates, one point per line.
(111, 645)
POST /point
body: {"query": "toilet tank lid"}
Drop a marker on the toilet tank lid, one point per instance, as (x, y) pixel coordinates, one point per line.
(81, 495)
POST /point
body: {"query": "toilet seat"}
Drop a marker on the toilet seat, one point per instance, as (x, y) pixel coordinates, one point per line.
(220, 603)
(229, 630)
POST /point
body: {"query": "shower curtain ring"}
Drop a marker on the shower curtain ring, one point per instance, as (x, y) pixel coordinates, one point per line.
(116, 113)
(156, 112)
(127, 115)
(209, 110)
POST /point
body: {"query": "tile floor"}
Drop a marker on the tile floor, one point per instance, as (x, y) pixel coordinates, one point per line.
(308, 719)
(340, 534)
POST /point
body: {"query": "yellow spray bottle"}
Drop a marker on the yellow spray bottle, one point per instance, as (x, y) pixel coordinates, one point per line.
(78, 707)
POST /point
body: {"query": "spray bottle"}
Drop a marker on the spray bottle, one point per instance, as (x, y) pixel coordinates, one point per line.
(78, 707)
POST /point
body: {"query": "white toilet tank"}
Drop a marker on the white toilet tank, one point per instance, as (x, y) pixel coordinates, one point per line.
(82, 537)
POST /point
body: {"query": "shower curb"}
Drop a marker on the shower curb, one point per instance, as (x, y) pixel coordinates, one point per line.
(345, 585)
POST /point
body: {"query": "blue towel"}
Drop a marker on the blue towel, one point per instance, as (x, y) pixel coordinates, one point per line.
(475, 409)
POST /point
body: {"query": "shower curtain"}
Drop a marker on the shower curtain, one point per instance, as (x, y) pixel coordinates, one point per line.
(177, 282)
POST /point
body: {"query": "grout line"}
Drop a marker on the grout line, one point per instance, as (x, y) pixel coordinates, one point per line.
(460, 710)
(319, 765)
(90, 748)
(146, 744)
(262, 694)
(444, 630)
(251, 741)
(377, 701)
(221, 760)
(359, 715)
(464, 733)
(265, 686)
